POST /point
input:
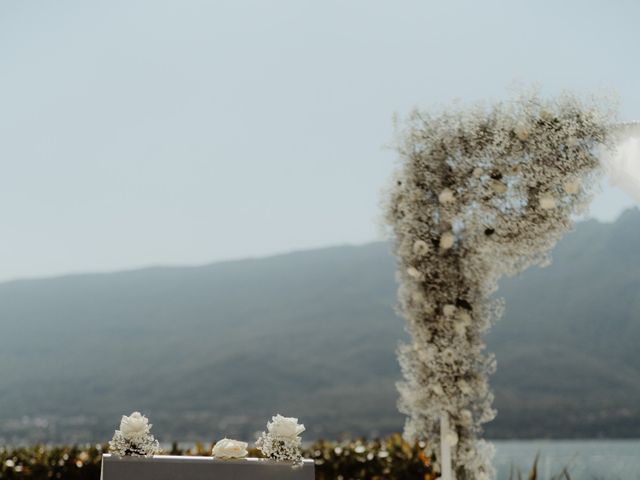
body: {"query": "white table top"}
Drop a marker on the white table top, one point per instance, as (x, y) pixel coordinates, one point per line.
(170, 467)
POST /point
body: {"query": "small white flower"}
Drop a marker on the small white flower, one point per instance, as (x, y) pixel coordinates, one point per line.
(449, 309)
(464, 317)
(420, 248)
(452, 438)
(417, 296)
(227, 448)
(547, 202)
(546, 115)
(464, 387)
(415, 273)
(135, 426)
(522, 132)
(497, 186)
(448, 355)
(437, 389)
(423, 356)
(466, 416)
(446, 196)
(284, 427)
(571, 187)
(447, 240)
(462, 321)
(460, 328)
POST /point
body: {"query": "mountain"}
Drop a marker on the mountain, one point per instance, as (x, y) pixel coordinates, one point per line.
(217, 349)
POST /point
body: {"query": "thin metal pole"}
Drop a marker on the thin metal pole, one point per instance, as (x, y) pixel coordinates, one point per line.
(445, 449)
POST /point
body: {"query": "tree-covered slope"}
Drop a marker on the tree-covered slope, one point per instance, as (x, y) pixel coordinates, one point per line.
(221, 347)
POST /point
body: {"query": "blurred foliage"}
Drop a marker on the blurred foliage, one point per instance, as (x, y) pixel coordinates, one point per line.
(386, 459)
(392, 458)
(360, 459)
(40, 463)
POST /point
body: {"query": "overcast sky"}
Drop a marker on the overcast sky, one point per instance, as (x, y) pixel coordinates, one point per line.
(137, 133)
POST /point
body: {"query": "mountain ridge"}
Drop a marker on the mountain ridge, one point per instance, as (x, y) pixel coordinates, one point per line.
(223, 346)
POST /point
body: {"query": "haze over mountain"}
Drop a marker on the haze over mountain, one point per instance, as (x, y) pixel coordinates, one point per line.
(217, 349)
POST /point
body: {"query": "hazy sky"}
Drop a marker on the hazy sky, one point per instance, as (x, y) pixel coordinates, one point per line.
(167, 132)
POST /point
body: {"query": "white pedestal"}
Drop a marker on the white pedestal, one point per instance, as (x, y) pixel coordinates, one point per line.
(169, 467)
(445, 449)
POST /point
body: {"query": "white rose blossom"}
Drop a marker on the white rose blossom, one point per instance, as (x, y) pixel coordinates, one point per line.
(415, 273)
(459, 327)
(446, 196)
(497, 186)
(547, 202)
(571, 187)
(284, 427)
(452, 438)
(447, 240)
(227, 448)
(448, 310)
(420, 247)
(134, 438)
(135, 426)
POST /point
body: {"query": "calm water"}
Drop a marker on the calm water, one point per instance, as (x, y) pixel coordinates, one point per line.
(584, 459)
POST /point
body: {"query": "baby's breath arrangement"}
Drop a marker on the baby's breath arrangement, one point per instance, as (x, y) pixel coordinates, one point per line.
(282, 440)
(480, 192)
(134, 438)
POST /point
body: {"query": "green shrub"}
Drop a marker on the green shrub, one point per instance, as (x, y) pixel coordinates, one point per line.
(377, 459)
(386, 459)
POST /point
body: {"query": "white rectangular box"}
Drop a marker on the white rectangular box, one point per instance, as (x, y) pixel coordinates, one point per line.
(169, 467)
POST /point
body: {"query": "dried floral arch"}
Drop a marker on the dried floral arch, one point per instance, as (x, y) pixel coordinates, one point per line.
(480, 193)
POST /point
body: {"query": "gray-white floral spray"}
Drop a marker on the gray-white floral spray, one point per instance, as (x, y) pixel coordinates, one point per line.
(480, 192)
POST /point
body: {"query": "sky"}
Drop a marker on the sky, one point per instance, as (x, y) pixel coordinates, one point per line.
(154, 132)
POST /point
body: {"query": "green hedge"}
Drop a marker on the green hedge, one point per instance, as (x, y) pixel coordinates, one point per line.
(387, 459)
(391, 458)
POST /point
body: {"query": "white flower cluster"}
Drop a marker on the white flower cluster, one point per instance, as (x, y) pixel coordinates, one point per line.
(134, 438)
(480, 193)
(227, 448)
(282, 439)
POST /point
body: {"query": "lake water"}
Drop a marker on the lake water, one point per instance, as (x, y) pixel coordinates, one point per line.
(584, 459)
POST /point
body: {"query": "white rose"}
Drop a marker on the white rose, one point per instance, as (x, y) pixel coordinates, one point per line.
(464, 387)
(449, 309)
(415, 273)
(460, 328)
(522, 132)
(497, 186)
(437, 389)
(135, 426)
(227, 448)
(547, 202)
(448, 355)
(452, 438)
(466, 416)
(571, 187)
(446, 196)
(447, 240)
(420, 247)
(287, 427)
(464, 318)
